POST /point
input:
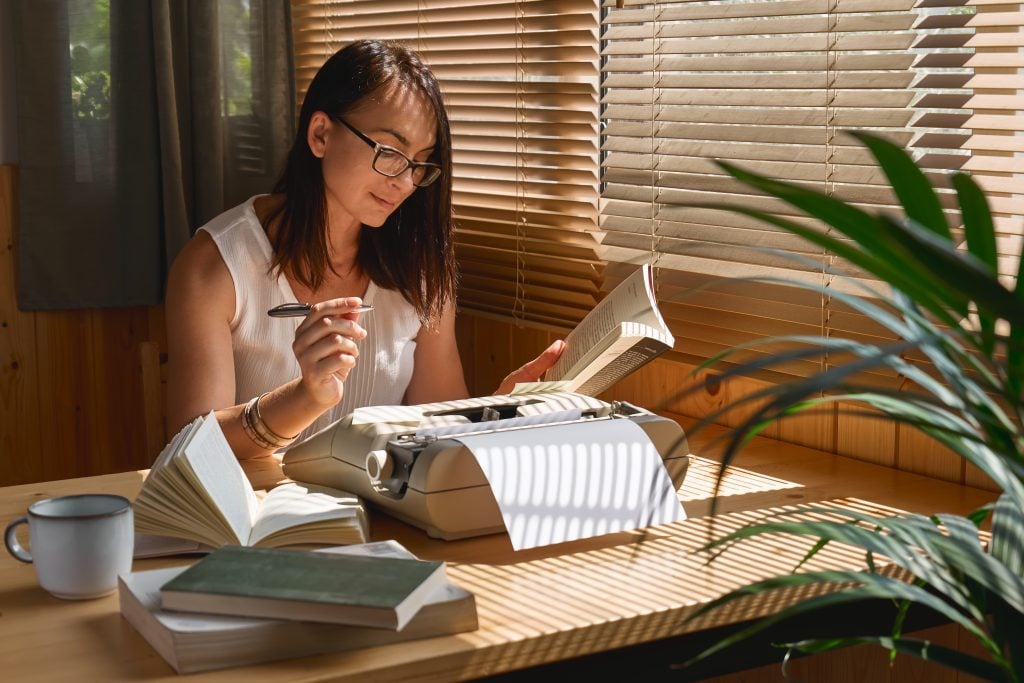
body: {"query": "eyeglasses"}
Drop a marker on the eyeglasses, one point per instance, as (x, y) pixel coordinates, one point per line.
(389, 162)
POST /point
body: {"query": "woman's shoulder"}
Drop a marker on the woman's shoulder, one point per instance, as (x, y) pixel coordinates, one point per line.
(199, 265)
(238, 218)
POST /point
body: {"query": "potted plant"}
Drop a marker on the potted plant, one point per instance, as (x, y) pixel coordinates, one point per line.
(950, 304)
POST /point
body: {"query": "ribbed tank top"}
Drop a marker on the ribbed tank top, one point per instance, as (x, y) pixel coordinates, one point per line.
(263, 345)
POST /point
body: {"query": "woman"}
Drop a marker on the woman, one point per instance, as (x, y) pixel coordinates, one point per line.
(361, 213)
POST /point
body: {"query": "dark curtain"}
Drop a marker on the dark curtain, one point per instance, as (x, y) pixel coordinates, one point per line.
(137, 123)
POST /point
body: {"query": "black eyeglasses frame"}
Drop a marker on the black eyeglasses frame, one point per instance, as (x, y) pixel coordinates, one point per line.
(431, 172)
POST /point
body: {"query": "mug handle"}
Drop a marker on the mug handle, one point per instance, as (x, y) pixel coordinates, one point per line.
(11, 541)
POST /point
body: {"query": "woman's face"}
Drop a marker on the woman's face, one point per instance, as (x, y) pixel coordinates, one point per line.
(399, 117)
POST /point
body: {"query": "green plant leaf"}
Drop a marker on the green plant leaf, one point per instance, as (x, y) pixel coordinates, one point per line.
(979, 516)
(946, 263)
(1015, 349)
(898, 551)
(967, 397)
(914, 543)
(859, 226)
(912, 187)
(981, 240)
(977, 218)
(1007, 544)
(923, 649)
(872, 586)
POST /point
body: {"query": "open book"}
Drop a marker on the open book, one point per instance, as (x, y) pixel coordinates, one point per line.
(196, 490)
(623, 332)
(199, 642)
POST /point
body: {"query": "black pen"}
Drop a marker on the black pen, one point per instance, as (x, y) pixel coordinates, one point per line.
(301, 310)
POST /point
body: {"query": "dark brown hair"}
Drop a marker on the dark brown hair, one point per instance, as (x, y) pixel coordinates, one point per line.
(412, 251)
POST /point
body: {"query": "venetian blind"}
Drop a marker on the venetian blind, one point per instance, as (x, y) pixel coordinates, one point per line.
(521, 82)
(772, 85)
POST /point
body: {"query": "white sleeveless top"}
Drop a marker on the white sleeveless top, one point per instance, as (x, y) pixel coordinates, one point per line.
(263, 345)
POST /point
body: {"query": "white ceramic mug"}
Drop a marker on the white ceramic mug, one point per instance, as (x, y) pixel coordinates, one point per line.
(79, 544)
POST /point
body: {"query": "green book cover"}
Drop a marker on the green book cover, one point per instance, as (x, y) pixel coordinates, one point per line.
(304, 585)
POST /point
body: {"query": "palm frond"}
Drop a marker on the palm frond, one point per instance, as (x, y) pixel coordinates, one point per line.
(923, 649)
(969, 399)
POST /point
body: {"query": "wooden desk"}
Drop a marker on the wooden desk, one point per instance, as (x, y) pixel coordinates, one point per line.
(536, 607)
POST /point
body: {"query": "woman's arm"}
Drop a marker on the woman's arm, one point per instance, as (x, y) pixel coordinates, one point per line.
(437, 369)
(201, 370)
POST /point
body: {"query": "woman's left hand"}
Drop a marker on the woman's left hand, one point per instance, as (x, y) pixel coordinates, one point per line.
(534, 370)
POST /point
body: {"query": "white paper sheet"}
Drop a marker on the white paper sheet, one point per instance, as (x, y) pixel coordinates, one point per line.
(539, 387)
(411, 415)
(556, 484)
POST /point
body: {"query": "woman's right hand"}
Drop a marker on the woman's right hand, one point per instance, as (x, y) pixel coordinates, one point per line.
(325, 347)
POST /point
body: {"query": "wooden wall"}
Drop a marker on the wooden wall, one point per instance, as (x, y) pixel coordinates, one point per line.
(71, 382)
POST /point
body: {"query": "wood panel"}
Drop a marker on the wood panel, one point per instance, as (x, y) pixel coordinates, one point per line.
(20, 452)
(492, 354)
(71, 396)
(63, 345)
(917, 452)
(865, 434)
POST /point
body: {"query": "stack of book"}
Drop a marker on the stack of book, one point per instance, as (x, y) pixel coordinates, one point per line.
(242, 605)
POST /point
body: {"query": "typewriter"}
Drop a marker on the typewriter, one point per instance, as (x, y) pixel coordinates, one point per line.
(409, 461)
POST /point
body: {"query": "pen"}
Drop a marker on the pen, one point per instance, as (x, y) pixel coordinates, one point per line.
(300, 310)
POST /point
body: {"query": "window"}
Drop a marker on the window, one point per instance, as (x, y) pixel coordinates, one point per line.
(88, 27)
(771, 85)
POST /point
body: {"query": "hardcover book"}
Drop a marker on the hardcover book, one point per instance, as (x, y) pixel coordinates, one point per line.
(381, 592)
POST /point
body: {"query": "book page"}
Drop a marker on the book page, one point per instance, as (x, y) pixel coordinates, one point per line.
(625, 349)
(183, 436)
(389, 548)
(631, 301)
(168, 505)
(210, 465)
(294, 504)
(412, 415)
(151, 545)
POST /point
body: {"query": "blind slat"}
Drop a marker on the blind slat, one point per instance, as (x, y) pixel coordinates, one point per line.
(771, 86)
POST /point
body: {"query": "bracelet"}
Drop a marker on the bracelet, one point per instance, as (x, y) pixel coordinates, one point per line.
(264, 430)
(249, 427)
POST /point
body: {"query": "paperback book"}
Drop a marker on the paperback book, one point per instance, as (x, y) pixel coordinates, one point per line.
(622, 333)
(359, 590)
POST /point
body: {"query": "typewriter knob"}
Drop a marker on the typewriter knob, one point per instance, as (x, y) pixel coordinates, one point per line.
(379, 466)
